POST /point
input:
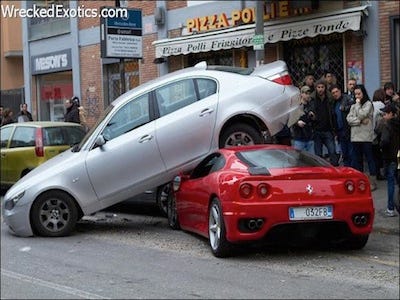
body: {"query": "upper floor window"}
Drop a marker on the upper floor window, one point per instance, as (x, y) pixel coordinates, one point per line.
(48, 25)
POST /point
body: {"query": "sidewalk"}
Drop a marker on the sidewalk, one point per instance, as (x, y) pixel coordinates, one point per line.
(382, 223)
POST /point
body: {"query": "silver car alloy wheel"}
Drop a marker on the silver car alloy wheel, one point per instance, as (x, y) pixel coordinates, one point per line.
(54, 215)
(239, 138)
(214, 226)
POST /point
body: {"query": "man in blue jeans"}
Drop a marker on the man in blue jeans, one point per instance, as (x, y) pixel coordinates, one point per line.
(322, 116)
(390, 140)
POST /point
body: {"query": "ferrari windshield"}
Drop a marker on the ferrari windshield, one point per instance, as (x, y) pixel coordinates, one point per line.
(281, 158)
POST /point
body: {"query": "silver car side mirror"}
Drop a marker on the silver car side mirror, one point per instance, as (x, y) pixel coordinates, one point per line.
(100, 141)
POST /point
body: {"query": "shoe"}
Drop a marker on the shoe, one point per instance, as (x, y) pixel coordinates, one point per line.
(390, 213)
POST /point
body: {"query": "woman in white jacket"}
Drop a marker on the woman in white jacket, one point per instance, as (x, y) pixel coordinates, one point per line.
(360, 119)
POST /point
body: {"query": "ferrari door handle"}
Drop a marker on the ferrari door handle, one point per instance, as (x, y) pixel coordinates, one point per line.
(206, 111)
(145, 138)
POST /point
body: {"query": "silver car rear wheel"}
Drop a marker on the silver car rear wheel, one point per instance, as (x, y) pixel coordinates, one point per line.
(239, 135)
(54, 214)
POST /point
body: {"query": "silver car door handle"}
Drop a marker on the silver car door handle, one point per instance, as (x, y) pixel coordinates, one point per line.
(206, 111)
(145, 138)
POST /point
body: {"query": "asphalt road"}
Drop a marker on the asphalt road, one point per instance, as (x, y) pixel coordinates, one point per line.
(135, 255)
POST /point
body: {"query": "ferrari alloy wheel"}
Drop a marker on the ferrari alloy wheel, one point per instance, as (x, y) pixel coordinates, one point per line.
(53, 214)
(162, 198)
(239, 135)
(172, 213)
(220, 247)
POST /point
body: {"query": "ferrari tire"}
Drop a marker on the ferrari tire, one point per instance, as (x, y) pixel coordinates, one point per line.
(54, 214)
(355, 242)
(240, 134)
(220, 247)
(162, 198)
(172, 213)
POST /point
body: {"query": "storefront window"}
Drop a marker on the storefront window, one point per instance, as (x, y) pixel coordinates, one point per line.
(315, 56)
(53, 90)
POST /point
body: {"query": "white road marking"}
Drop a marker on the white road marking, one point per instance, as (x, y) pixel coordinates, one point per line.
(55, 286)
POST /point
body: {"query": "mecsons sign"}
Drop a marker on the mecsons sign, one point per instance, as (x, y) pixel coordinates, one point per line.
(242, 36)
(51, 62)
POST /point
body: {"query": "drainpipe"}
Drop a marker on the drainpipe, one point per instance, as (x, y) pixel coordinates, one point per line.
(260, 31)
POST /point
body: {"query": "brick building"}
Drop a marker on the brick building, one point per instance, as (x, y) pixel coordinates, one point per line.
(349, 38)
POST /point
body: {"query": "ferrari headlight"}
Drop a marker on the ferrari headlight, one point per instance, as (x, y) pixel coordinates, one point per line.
(10, 203)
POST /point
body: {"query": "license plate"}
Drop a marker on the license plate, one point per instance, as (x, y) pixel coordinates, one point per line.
(311, 213)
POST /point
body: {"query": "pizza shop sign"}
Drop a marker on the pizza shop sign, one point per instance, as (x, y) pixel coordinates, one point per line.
(244, 38)
(272, 10)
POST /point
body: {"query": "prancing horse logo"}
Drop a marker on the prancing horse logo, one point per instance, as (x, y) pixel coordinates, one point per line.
(309, 189)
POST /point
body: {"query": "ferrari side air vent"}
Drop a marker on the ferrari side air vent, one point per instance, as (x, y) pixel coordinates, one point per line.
(259, 171)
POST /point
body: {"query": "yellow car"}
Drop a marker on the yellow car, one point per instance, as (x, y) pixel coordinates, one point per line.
(26, 145)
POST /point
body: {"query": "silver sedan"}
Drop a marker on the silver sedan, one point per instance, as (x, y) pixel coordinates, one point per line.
(146, 136)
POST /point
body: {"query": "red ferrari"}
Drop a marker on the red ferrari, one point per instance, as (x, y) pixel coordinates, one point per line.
(272, 193)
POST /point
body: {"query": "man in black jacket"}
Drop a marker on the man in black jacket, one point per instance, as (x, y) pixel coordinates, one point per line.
(72, 114)
(341, 108)
(390, 140)
(323, 124)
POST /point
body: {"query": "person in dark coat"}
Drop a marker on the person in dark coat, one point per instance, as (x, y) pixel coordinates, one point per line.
(72, 114)
(390, 144)
(341, 108)
(8, 117)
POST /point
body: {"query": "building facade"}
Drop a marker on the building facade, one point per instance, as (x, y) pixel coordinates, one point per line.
(11, 61)
(62, 56)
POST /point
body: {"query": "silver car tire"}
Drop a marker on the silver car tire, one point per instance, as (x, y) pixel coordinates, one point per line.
(240, 134)
(53, 214)
(172, 213)
(220, 247)
(163, 192)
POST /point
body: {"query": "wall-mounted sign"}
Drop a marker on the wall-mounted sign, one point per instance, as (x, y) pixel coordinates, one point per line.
(51, 62)
(258, 42)
(272, 10)
(121, 37)
(234, 38)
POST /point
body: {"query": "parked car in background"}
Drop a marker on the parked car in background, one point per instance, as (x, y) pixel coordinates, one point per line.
(26, 145)
(148, 135)
(272, 193)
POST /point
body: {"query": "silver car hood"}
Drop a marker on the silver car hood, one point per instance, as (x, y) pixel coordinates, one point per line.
(44, 171)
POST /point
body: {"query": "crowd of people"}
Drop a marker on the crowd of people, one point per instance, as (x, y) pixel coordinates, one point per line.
(74, 113)
(350, 128)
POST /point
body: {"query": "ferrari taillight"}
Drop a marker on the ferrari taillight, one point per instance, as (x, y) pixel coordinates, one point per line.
(39, 151)
(245, 190)
(262, 190)
(349, 186)
(362, 186)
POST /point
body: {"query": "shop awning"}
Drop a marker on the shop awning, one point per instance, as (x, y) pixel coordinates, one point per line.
(274, 31)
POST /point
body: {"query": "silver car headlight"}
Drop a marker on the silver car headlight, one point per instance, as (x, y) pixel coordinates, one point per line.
(10, 203)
